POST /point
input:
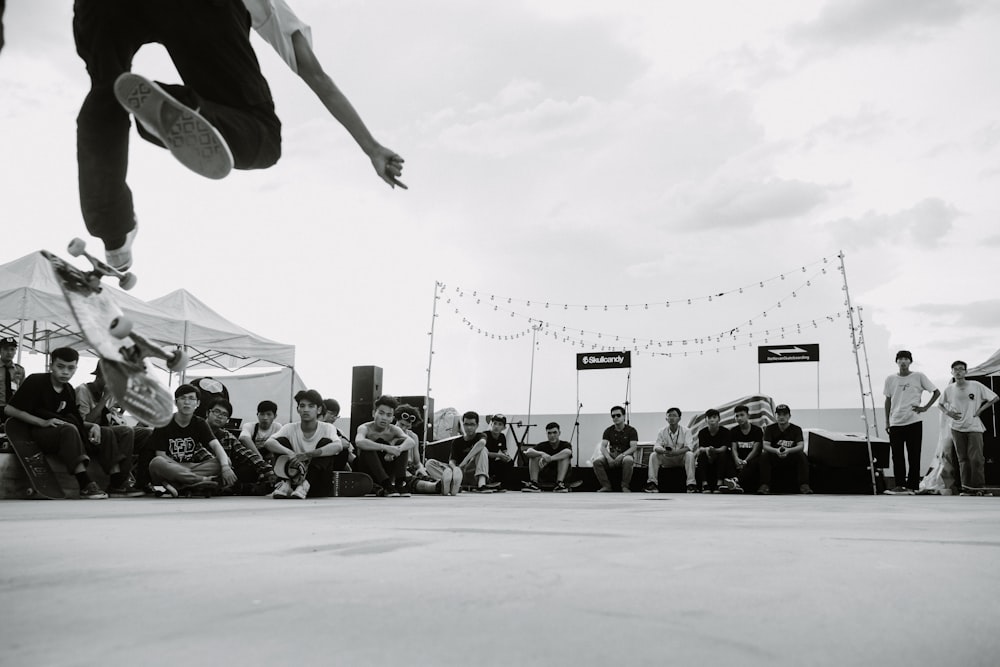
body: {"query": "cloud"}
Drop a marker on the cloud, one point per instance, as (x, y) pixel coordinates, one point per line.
(976, 315)
(924, 225)
(745, 203)
(862, 127)
(854, 22)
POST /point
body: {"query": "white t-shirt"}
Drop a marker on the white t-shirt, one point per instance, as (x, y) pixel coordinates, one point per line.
(275, 22)
(262, 434)
(904, 393)
(967, 400)
(682, 438)
(324, 434)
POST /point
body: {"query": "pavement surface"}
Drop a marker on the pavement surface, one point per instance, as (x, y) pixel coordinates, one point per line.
(504, 579)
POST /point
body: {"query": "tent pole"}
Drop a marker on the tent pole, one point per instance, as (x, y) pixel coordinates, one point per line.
(868, 370)
(857, 364)
(430, 360)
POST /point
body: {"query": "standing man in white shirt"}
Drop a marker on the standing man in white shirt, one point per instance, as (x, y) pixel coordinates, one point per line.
(903, 395)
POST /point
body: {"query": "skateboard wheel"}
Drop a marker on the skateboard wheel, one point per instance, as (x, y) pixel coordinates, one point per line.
(29, 493)
(178, 360)
(121, 327)
(128, 281)
(76, 247)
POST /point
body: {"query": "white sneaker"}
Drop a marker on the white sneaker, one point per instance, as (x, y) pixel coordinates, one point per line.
(283, 490)
(301, 491)
(121, 258)
(195, 142)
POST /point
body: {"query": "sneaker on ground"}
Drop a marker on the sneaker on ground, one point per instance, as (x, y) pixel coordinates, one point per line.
(625, 489)
(301, 491)
(763, 490)
(560, 487)
(195, 142)
(691, 488)
(283, 490)
(121, 258)
(651, 487)
(805, 489)
(897, 491)
(390, 491)
(604, 490)
(402, 491)
(203, 486)
(730, 485)
(92, 492)
(482, 489)
(128, 491)
(531, 487)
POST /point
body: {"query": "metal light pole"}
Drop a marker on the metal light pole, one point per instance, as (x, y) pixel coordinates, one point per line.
(531, 380)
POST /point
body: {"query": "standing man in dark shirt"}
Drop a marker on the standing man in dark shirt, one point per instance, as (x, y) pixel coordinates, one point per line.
(713, 459)
(501, 465)
(784, 446)
(747, 441)
(12, 374)
(551, 454)
(47, 403)
(618, 445)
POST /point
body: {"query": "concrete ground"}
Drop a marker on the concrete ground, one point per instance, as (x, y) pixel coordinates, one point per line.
(505, 579)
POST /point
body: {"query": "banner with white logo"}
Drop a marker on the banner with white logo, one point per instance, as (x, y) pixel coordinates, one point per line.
(599, 360)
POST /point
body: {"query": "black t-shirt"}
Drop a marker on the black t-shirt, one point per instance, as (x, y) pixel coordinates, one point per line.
(791, 436)
(745, 443)
(184, 444)
(495, 444)
(547, 447)
(460, 447)
(619, 441)
(37, 397)
(721, 438)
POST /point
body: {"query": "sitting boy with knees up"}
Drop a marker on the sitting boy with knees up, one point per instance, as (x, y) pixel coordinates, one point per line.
(311, 444)
(255, 434)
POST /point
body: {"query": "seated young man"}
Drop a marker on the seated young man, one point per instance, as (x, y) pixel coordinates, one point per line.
(384, 449)
(47, 403)
(255, 434)
(188, 457)
(551, 456)
(254, 475)
(330, 415)
(311, 444)
(618, 444)
(714, 458)
(418, 480)
(501, 465)
(97, 406)
(747, 440)
(467, 455)
(783, 447)
(674, 448)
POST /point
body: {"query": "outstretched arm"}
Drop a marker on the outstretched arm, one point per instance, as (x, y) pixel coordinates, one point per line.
(388, 165)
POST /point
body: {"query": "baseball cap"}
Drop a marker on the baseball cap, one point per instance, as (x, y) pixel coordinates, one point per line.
(8, 341)
(499, 418)
(783, 408)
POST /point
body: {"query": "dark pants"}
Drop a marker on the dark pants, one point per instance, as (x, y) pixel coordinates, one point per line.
(320, 474)
(374, 464)
(208, 41)
(502, 471)
(750, 475)
(798, 461)
(711, 467)
(142, 454)
(63, 442)
(905, 442)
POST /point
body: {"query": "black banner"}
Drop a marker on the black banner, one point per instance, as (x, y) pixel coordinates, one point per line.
(771, 354)
(599, 360)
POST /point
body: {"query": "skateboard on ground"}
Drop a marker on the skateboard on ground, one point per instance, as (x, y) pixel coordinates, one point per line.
(43, 481)
(109, 332)
(982, 490)
(342, 484)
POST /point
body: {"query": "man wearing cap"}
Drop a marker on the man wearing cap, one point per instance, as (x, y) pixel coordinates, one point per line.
(784, 447)
(501, 465)
(903, 393)
(13, 373)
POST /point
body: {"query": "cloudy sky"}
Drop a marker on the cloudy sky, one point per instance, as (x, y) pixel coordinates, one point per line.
(575, 153)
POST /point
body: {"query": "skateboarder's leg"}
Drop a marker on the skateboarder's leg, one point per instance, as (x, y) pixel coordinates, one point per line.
(64, 443)
(209, 44)
(107, 36)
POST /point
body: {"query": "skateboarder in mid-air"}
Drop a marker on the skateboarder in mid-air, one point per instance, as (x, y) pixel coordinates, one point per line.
(222, 117)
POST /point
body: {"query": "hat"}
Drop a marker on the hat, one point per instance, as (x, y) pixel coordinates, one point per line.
(499, 418)
(8, 341)
(783, 408)
(285, 469)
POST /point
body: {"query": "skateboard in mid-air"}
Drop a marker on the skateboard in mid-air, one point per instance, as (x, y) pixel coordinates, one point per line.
(109, 332)
(342, 484)
(42, 481)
